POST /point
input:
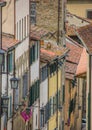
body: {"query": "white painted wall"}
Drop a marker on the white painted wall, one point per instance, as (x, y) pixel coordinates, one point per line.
(34, 71)
(22, 9)
(4, 83)
(44, 96)
(21, 48)
(44, 92)
(36, 115)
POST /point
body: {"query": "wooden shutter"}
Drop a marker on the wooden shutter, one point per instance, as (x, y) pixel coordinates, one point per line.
(25, 84)
(10, 106)
(16, 96)
(10, 62)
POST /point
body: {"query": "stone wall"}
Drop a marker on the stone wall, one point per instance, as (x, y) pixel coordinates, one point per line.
(47, 14)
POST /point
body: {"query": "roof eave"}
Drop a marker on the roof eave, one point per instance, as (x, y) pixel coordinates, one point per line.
(2, 4)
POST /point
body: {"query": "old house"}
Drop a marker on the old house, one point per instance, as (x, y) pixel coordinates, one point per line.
(15, 23)
(72, 61)
(80, 8)
(85, 33)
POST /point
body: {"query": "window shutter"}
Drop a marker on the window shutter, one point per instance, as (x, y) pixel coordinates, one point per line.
(25, 84)
(63, 98)
(10, 106)
(33, 53)
(30, 97)
(16, 96)
(10, 61)
(37, 49)
(31, 56)
(38, 91)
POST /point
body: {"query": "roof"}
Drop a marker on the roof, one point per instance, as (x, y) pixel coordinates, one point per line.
(85, 35)
(50, 51)
(82, 66)
(73, 58)
(73, 22)
(37, 33)
(46, 56)
(8, 41)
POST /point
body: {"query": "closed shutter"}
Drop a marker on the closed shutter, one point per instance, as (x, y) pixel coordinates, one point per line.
(46, 112)
(10, 62)
(30, 96)
(16, 96)
(31, 56)
(10, 106)
(25, 84)
(63, 98)
(33, 53)
(38, 91)
(37, 49)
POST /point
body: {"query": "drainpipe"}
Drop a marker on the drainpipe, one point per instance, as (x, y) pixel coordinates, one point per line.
(89, 96)
(57, 91)
(2, 4)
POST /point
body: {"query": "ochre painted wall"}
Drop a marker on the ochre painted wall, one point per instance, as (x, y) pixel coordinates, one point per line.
(79, 9)
(52, 124)
(8, 17)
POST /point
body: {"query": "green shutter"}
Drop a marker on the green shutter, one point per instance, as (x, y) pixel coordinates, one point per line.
(10, 61)
(33, 53)
(89, 111)
(63, 98)
(38, 90)
(37, 49)
(30, 97)
(10, 106)
(30, 56)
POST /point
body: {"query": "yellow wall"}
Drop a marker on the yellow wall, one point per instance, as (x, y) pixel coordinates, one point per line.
(79, 9)
(53, 83)
(52, 91)
(8, 17)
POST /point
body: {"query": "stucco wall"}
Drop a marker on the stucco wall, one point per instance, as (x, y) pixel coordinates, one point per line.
(79, 9)
(8, 17)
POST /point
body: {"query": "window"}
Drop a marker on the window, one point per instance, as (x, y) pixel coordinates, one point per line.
(10, 106)
(44, 73)
(17, 30)
(36, 120)
(63, 93)
(52, 68)
(20, 30)
(89, 14)
(25, 85)
(16, 97)
(34, 53)
(10, 62)
(24, 26)
(47, 112)
(51, 101)
(33, 13)
(27, 25)
(36, 49)
(34, 92)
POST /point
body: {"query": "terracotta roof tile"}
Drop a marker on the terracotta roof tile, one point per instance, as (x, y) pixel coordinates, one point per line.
(82, 66)
(37, 33)
(8, 41)
(73, 58)
(46, 56)
(85, 33)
